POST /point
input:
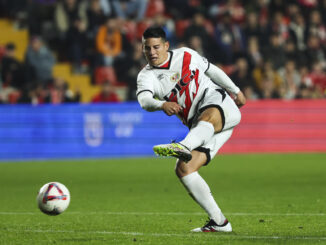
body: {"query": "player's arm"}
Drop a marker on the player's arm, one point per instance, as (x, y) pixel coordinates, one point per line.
(148, 103)
(220, 78)
(145, 95)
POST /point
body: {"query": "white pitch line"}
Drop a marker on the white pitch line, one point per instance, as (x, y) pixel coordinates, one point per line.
(170, 213)
(276, 214)
(200, 214)
(171, 234)
(17, 213)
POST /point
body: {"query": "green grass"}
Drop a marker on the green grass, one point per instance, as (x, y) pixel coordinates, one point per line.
(269, 199)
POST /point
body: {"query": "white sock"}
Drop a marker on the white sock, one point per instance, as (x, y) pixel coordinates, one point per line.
(199, 190)
(198, 135)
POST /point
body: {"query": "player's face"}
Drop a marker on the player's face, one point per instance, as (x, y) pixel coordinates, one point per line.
(155, 50)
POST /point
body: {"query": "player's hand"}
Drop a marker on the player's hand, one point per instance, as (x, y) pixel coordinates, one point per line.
(171, 108)
(240, 99)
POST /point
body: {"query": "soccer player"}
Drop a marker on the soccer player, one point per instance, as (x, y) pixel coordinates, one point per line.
(182, 83)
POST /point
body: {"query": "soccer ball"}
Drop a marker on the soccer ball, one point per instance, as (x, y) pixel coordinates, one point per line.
(53, 198)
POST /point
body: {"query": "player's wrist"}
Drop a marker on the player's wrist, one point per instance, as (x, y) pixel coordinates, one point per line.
(236, 91)
(162, 103)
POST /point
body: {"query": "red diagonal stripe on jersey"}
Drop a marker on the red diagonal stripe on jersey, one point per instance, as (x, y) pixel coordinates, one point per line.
(185, 64)
(173, 98)
(186, 73)
(186, 79)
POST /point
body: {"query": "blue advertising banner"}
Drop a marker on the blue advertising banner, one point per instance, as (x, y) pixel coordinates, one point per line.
(83, 131)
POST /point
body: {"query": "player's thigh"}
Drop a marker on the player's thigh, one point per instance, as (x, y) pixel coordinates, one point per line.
(198, 160)
(214, 116)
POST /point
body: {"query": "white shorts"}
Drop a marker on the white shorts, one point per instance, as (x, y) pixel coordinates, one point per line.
(231, 117)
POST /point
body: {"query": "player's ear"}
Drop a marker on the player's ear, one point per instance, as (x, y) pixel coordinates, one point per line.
(143, 44)
(167, 45)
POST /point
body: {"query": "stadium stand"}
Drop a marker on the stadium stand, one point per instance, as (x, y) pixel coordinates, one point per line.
(253, 41)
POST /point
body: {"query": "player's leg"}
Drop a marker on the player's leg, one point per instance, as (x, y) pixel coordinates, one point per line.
(197, 186)
(201, 193)
(216, 112)
(209, 122)
(213, 118)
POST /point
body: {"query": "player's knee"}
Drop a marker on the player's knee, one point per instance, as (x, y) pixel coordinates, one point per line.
(178, 170)
(182, 169)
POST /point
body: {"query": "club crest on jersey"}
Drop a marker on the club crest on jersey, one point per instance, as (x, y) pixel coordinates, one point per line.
(175, 77)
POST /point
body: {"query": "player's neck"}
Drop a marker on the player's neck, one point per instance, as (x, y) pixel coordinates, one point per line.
(166, 60)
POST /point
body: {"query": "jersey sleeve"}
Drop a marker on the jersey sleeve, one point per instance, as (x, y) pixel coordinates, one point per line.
(220, 78)
(148, 103)
(146, 91)
(145, 82)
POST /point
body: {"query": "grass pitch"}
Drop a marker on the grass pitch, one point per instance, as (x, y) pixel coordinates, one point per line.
(269, 199)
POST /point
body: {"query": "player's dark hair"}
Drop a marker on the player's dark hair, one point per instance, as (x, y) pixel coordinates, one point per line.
(154, 31)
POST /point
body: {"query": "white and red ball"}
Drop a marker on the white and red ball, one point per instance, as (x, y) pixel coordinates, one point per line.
(53, 198)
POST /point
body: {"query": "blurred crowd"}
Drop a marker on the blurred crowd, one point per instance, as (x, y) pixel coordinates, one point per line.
(270, 48)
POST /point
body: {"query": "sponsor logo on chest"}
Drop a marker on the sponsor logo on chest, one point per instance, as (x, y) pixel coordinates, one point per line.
(160, 77)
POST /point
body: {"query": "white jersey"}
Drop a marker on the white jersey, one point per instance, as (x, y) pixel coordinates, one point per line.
(181, 79)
